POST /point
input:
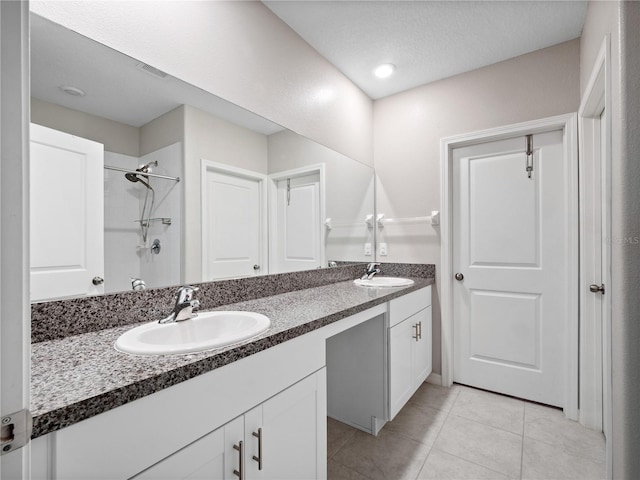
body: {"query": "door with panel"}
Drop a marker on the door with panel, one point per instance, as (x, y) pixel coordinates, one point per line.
(66, 215)
(298, 230)
(510, 245)
(233, 226)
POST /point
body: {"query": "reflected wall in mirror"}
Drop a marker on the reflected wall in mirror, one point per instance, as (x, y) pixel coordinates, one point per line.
(199, 188)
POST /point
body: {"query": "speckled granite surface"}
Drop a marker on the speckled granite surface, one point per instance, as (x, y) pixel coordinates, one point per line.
(80, 376)
(59, 319)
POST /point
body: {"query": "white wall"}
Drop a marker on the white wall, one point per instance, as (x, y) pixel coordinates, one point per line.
(349, 191)
(621, 20)
(239, 51)
(163, 131)
(408, 128)
(115, 136)
(213, 139)
(626, 259)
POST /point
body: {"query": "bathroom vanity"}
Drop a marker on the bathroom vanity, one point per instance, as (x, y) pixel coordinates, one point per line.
(253, 410)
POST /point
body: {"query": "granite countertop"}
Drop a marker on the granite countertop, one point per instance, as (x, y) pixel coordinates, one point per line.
(77, 377)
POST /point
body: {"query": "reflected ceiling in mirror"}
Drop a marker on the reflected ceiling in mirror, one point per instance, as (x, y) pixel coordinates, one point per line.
(253, 198)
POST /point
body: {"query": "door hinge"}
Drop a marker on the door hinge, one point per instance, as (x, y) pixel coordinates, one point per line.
(16, 431)
(529, 147)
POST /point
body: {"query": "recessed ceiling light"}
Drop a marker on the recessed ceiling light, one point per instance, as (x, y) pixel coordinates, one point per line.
(73, 91)
(385, 70)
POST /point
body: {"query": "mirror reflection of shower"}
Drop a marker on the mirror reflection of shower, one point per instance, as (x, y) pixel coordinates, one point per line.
(145, 214)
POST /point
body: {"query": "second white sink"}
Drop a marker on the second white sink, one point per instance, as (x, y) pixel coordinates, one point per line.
(206, 331)
(384, 282)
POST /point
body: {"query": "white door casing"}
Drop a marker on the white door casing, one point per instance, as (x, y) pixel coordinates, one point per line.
(595, 254)
(568, 260)
(15, 338)
(234, 232)
(296, 239)
(66, 214)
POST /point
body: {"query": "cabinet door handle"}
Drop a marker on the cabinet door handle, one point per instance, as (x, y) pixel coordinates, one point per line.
(240, 448)
(258, 459)
(417, 335)
(420, 329)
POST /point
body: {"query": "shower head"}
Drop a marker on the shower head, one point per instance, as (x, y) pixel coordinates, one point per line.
(133, 177)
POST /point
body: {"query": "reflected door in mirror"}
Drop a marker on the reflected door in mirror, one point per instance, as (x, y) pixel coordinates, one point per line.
(66, 215)
(298, 233)
(233, 211)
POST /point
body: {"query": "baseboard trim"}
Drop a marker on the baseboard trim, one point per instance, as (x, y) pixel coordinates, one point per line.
(435, 378)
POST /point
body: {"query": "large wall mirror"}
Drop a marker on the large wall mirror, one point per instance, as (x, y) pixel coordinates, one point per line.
(137, 176)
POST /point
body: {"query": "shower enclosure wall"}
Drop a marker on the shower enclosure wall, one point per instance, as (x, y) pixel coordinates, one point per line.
(127, 255)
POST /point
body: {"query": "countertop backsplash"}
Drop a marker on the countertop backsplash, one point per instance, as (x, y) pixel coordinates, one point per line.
(63, 318)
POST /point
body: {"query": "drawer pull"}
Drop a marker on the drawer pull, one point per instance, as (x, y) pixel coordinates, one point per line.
(240, 448)
(417, 335)
(258, 459)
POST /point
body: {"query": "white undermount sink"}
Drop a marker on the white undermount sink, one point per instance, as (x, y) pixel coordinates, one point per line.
(384, 282)
(206, 331)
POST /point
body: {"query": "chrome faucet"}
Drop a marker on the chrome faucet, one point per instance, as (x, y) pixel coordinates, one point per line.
(185, 303)
(372, 269)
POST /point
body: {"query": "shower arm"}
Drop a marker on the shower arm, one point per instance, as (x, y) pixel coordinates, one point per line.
(137, 172)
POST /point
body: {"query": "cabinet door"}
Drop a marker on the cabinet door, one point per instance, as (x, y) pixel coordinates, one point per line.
(422, 348)
(210, 457)
(293, 433)
(401, 346)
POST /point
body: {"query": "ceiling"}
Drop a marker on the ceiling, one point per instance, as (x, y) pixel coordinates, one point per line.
(426, 40)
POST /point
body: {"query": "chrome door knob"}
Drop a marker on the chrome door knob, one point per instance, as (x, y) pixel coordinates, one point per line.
(256, 267)
(596, 288)
(97, 280)
(459, 277)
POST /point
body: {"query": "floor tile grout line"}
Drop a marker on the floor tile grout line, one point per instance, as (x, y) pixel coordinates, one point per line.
(487, 425)
(450, 412)
(565, 451)
(474, 463)
(438, 434)
(351, 470)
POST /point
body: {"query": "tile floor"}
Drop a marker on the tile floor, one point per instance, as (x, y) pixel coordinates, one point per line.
(464, 433)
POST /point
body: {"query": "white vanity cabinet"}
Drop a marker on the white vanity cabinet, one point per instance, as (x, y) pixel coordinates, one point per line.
(187, 431)
(278, 439)
(210, 457)
(282, 435)
(410, 346)
(266, 412)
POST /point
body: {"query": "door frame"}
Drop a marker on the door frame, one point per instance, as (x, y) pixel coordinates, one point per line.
(567, 123)
(595, 404)
(15, 327)
(211, 166)
(274, 178)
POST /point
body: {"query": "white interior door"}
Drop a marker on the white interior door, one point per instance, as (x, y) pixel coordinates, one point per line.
(299, 225)
(509, 247)
(233, 227)
(67, 215)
